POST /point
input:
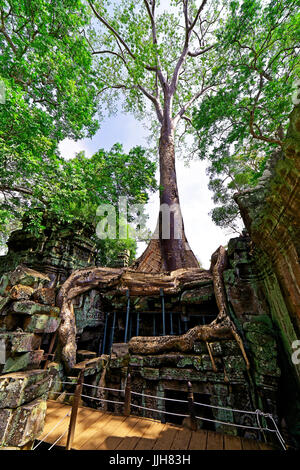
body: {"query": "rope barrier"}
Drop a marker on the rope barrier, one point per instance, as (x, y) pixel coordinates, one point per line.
(58, 439)
(104, 388)
(159, 411)
(234, 424)
(159, 398)
(54, 427)
(102, 399)
(257, 413)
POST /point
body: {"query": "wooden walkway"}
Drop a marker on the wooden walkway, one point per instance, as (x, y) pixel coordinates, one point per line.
(97, 430)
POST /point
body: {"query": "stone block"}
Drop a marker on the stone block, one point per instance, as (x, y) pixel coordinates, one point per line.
(29, 307)
(20, 292)
(234, 363)
(120, 349)
(200, 347)
(22, 387)
(82, 355)
(45, 295)
(27, 277)
(41, 324)
(186, 375)
(117, 362)
(4, 285)
(4, 301)
(18, 342)
(136, 361)
(91, 366)
(21, 361)
(149, 373)
(230, 347)
(216, 348)
(23, 424)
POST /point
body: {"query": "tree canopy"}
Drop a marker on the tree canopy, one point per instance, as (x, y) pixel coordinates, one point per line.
(244, 119)
(51, 89)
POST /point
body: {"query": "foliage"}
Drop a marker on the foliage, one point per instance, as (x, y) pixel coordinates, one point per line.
(242, 121)
(72, 190)
(51, 90)
(153, 55)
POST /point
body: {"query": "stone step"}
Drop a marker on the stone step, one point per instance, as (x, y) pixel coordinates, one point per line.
(119, 349)
(41, 324)
(91, 366)
(28, 307)
(84, 354)
(22, 361)
(18, 388)
(18, 342)
(18, 426)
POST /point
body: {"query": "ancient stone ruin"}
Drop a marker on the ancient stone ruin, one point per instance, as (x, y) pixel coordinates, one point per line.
(228, 330)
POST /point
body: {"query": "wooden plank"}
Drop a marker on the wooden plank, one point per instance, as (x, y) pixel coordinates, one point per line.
(198, 440)
(96, 429)
(165, 441)
(265, 446)
(85, 419)
(57, 432)
(182, 440)
(98, 433)
(250, 444)
(53, 416)
(150, 436)
(115, 438)
(132, 437)
(232, 443)
(215, 441)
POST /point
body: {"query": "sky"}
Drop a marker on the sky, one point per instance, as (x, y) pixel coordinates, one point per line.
(203, 235)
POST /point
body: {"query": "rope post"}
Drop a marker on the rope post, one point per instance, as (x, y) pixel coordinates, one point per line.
(75, 405)
(127, 401)
(191, 405)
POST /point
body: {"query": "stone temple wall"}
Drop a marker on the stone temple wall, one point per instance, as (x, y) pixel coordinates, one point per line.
(271, 214)
(27, 311)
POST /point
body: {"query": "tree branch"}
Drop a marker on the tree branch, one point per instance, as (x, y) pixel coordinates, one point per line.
(191, 27)
(19, 189)
(189, 103)
(151, 13)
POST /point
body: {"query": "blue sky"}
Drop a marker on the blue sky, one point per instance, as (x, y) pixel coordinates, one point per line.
(203, 235)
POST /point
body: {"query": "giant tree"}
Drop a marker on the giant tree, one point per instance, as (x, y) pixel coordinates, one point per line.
(164, 57)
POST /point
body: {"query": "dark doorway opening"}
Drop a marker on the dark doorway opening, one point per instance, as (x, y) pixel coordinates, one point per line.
(203, 411)
(175, 406)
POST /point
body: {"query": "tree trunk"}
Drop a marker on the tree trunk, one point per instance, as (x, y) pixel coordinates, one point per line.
(168, 250)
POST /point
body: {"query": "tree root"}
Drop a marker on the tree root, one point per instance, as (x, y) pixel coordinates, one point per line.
(141, 283)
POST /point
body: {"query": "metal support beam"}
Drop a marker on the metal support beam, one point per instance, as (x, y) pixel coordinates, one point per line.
(104, 334)
(112, 334)
(163, 312)
(171, 324)
(179, 324)
(127, 316)
(137, 323)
